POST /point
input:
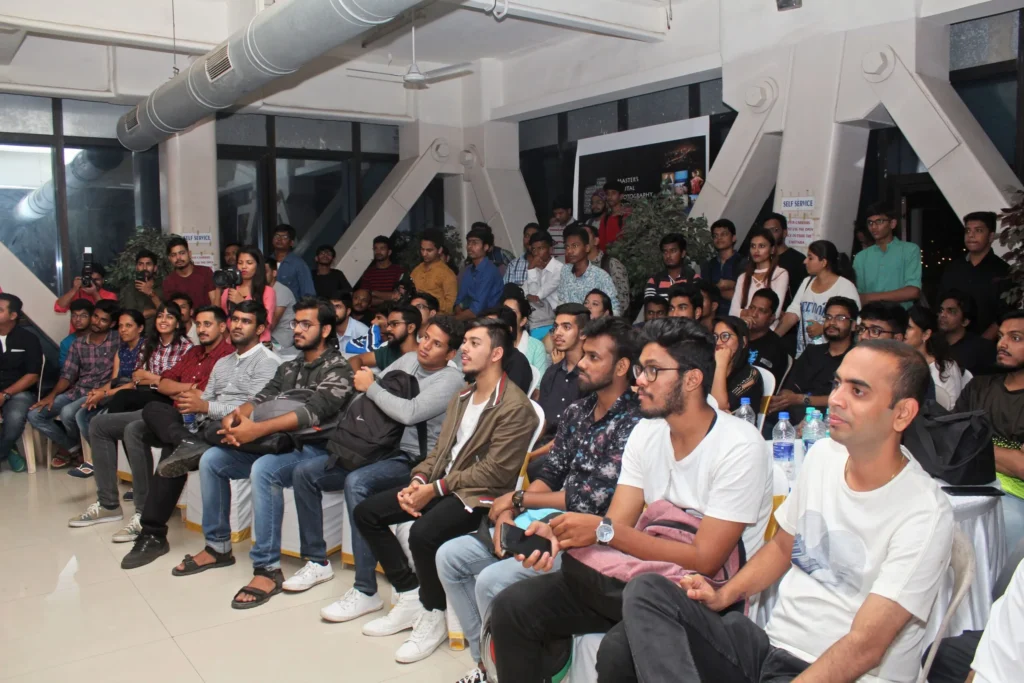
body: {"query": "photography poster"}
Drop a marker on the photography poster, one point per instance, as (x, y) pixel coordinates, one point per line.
(670, 158)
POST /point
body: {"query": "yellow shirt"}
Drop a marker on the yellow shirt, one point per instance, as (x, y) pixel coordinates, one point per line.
(438, 280)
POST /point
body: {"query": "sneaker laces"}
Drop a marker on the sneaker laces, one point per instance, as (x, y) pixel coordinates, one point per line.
(92, 511)
(135, 524)
(476, 675)
(307, 572)
(425, 625)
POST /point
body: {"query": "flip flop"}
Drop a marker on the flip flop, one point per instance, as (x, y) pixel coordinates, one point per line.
(192, 567)
(261, 596)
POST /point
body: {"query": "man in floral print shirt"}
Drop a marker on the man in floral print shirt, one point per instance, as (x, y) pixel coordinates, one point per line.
(579, 475)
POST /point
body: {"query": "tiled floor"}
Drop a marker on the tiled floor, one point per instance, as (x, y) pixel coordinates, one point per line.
(69, 612)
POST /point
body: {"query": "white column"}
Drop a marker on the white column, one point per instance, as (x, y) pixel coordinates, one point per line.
(188, 181)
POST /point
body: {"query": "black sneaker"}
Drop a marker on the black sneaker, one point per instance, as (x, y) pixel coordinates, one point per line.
(184, 459)
(146, 549)
(129, 495)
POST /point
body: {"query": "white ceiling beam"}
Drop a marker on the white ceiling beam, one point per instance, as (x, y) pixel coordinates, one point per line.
(105, 36)
(645, 23)
(10, 42)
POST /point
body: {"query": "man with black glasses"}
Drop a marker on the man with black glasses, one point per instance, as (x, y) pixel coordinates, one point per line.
(882, 320)
(291, 271)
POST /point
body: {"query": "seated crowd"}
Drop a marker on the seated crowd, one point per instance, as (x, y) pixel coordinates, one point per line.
(560, 468)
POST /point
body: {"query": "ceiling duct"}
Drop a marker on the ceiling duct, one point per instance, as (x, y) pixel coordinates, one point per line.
(277, 42)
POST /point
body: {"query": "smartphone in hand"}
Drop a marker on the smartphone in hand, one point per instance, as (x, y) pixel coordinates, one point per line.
(515, 541)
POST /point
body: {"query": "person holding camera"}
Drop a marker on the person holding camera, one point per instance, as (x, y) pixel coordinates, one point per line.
(88, 286)
(247, 282)
(144, 292)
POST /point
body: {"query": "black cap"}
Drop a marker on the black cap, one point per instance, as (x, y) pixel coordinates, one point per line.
(614, 185)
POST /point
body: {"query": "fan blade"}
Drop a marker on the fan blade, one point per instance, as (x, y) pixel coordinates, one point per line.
(448, 71)
(373, 75)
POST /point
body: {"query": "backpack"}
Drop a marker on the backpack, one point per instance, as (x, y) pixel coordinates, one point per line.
(367, 434)
(954, 447)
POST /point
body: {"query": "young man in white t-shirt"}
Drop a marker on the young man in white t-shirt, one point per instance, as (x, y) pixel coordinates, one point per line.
(863, 543)
(686, 452)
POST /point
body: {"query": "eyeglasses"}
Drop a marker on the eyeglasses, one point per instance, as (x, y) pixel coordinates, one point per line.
(650, 371)
(878, 221)
(872, 332)
(301, 325)
(723, 337)
(395, 323)
(836, 318)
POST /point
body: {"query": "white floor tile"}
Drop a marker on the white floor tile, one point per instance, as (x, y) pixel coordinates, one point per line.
(158, 662)
(54, 564)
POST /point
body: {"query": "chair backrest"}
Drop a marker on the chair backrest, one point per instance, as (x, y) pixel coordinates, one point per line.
(534, 383)
(39, 385)
(521, 482)
(768, 380)
(962, 562)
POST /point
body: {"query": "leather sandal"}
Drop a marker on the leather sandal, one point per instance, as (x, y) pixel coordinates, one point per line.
(261, 596)
(192, 567)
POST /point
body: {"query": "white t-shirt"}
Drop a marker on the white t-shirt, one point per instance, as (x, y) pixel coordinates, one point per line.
(1001, 650)
(728, 475)
(3, 343)
(779, 285)
(470, 419)
(809, 306)
(894, 542)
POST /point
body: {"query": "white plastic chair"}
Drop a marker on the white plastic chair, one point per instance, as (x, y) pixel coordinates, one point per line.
(534, 383)
(533, 442)
(768, 380)
(962, 562)
(30, 438)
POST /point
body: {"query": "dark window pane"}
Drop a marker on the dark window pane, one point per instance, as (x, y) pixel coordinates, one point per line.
(28, 225)
(994, 104)
(238, 205)
(317, 198)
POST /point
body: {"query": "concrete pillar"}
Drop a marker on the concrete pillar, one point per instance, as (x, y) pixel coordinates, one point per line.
(188, 183)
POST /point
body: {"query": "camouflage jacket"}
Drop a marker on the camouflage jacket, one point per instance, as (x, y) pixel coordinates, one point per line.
(329, 376)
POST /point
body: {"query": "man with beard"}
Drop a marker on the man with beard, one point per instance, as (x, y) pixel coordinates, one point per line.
(766, 347)
(403, 326)
(685, 301)
(686, 453)
(361, 306)
(1001, 396)
(579, 476)
(381, 276)
(346, 327)
(235, 379)
(677, 269)
(810, 380)
(477, 458)
(229, 255)
(188, 278)
(324, 373)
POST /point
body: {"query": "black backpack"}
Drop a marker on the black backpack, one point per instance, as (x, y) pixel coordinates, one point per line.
(367, 434)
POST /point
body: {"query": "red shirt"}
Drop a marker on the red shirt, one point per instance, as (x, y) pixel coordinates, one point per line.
(198, 286)
(196, 365)
(609, 229)
(104, 294)
(380, 279)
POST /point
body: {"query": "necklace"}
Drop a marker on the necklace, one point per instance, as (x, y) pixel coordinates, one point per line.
(903, 462)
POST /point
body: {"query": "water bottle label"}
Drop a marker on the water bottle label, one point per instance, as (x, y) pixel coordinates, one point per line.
(782, 450)
(808, 443)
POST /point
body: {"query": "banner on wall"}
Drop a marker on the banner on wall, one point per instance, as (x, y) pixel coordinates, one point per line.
(667, 158)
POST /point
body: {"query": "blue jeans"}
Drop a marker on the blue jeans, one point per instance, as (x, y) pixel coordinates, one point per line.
(1013, 516)
(269, 475)
(472, 577)
(311, 480)
(64, 434)
(15, 413)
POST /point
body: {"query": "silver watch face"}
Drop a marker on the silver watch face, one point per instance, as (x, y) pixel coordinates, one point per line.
(605, 532)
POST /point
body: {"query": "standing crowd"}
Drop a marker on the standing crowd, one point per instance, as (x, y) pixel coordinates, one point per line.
(564, 468)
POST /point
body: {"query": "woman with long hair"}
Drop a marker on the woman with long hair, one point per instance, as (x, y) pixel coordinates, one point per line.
(165, 344)
(829, 274)
(735, 377)
(254, 286)
(762, 271)
(598, 303)
(923, 334)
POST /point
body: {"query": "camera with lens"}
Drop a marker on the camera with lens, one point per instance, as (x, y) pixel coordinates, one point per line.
(143, 276)
(87, 270)
(227, 278)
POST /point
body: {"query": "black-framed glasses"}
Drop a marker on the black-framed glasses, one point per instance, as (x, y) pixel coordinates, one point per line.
(837, 318)
(650, 371)
(723, 337)
(301, 325)
(872, 331)
(878, 221)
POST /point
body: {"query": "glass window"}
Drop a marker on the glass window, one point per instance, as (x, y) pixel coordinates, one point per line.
(317, 198)
(301, 133)
(993, 102)
(25, 114)
(238, 202)
(379, 139)
(589, 122)
(984, 41)
(540, 132)
(101, 201)
(242, 129)
(711, 98)
(28, 225)
(659, 107)
(91, 119)
(147, 187)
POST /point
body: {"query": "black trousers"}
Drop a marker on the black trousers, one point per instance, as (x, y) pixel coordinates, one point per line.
(442, 520)
(953, 660)
(164, 428)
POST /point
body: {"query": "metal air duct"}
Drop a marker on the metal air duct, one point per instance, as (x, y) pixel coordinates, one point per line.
(277, 42)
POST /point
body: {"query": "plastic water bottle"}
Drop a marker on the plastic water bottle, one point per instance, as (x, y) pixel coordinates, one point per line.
(828, 428)
(813, 429)
(190, 422)
(746, 411)
(783, 437)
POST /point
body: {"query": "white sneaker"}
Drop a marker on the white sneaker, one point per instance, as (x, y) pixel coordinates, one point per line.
(475, 675)
(96, 514)
(353, 605)
(307, 577)
(130, 532)
(402, 616)
(427, 635)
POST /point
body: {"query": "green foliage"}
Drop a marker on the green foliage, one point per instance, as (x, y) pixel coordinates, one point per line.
(406, 247)
(1011, 236)
(651, 219)
(122, 271)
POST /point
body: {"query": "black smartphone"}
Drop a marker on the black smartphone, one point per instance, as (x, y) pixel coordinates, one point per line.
(973, 491)
(515, 541)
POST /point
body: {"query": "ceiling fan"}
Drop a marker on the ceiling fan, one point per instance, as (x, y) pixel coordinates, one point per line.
(414, 78)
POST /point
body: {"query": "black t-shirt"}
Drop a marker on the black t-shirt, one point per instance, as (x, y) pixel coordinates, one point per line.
(745, 382)
(1004, 408)
(985, 282)
(974, 353)
(22, 355)
(558, 389)
(327, 285)
(814, 371)
(518, 370)
(769, 352)
(793, 261)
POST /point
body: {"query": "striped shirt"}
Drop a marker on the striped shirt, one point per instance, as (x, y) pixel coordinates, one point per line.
(238, 378)
(377, 279)
(165, 357)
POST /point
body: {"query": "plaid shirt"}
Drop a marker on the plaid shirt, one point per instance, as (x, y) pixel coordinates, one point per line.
(166, 357)
(196, 365)
(89, 365)
(515, 272)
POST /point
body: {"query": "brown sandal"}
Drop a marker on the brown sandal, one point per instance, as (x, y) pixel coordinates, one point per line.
(261, 596)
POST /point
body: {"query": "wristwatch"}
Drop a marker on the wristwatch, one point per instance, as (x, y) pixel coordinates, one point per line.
(807, 399)
(517, 499)
(7, 397)
(605, 531)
